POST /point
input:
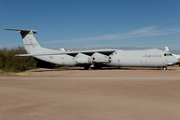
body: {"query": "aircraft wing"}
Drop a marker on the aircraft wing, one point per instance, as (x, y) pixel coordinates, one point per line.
(73, 53)
(91, 52)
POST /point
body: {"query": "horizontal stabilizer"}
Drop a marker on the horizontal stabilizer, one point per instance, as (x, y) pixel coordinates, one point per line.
(20, 30)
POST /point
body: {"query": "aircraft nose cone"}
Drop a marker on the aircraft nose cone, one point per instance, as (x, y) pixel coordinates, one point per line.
(175, 60)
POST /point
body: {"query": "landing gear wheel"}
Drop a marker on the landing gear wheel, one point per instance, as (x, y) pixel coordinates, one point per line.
(165, 68)
(86, 68)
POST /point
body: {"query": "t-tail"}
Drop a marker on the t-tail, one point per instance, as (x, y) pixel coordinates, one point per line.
(30, 42)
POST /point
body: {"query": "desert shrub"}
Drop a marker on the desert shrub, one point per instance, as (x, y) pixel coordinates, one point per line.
(11, 63)
(2, 60)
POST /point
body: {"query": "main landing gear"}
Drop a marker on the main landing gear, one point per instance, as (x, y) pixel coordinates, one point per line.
(164, 68)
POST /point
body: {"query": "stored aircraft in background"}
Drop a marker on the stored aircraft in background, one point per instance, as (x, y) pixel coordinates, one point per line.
(96, 58)
(177, 56)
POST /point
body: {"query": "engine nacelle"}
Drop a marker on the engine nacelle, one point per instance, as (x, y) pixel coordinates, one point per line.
(83, 59)
(100, 58)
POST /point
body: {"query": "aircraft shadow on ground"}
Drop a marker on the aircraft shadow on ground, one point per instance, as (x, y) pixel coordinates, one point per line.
(106, 68)
(137, 68)
(54, 69)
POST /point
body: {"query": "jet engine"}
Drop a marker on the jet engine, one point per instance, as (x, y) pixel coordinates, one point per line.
(83, 59)
(100, 58)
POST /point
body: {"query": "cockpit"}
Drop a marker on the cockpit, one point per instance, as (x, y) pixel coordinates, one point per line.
(168, 54)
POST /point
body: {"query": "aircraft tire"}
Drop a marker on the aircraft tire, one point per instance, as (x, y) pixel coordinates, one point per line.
(164, 68)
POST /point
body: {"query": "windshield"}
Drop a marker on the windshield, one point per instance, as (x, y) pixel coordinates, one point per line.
(167, 54)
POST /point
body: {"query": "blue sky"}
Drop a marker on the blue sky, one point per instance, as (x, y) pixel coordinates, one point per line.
(88, 24)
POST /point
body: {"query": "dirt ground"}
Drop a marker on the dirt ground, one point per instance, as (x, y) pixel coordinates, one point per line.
(77, 94)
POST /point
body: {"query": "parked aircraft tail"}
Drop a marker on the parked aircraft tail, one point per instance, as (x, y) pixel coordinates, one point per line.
(167, 49)
(30, 42)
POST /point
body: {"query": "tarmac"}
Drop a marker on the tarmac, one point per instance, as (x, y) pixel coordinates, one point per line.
(76, 94)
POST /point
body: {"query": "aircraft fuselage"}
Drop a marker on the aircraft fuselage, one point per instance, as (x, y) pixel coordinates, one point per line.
(121, 58)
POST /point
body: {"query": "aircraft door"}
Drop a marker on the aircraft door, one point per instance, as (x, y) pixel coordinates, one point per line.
(146, 63)
(119, 64)
(62, 60)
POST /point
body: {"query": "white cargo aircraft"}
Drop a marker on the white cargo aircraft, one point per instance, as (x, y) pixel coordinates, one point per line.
(96, 58)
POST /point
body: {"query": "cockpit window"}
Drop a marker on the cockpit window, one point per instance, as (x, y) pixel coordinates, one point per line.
(167, 54)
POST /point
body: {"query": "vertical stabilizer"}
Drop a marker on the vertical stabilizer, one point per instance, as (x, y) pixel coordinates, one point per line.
(30, 42)
(167, 49)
